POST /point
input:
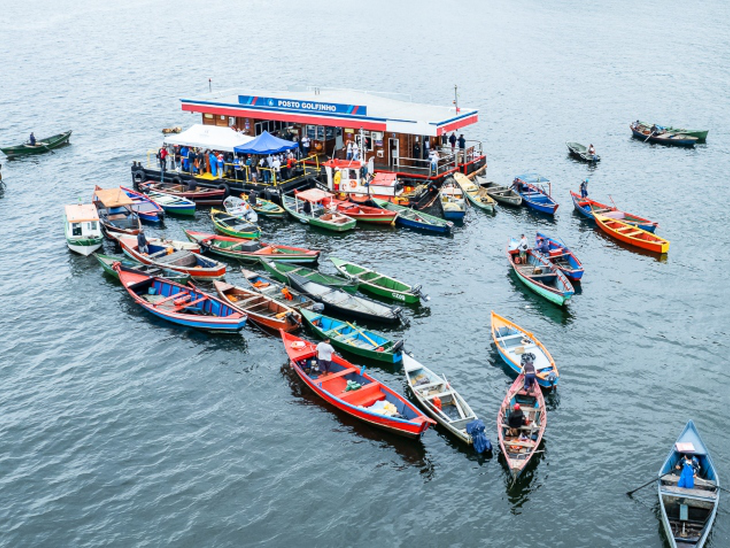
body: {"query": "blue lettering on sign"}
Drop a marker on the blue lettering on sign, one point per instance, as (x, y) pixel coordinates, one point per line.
(301, 106)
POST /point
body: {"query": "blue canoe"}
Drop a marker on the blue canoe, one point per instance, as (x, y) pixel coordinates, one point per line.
(532, 188)
(562, 257)
(586, 207)
(418, 220)
(147, 210)
(688, 513)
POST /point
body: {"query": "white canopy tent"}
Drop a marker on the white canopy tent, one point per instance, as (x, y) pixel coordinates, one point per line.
(212, 137)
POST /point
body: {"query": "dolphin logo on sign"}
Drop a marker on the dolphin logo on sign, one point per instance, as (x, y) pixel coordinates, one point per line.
(270, 102)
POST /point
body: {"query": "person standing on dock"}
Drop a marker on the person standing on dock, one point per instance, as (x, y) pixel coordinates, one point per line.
(305, 146)
(348, 150)
(462, 148)
(452, 141)
(434, 161)
(162, 156)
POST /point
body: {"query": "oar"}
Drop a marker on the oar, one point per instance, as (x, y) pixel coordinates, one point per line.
(649, 137)
(376, 345)
(614, 203)
(629, 493)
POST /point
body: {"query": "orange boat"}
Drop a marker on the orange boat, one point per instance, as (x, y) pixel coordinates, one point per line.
(631, 234)
(259, 308)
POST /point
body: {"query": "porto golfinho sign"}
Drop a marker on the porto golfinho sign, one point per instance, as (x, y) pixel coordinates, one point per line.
(295, 105)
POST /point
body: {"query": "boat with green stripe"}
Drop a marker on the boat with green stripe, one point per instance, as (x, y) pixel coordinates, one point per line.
(230, 225)
(379, 284)
(281, 271)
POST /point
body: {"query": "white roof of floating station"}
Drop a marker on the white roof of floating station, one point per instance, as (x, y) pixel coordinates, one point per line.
(337, 108)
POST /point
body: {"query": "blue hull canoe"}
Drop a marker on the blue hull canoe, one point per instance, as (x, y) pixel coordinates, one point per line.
(562, 257)
(531, 187)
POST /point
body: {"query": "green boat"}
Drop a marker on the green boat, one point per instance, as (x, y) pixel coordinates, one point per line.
(306, 206)
(234, 226)
(351, 338)
(379, 284)
(701, 134)
(267, 208)
(106, 262)
(41, 145)
(281, 271)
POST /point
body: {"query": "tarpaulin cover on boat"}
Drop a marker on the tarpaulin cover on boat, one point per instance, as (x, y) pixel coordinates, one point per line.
(212, 137)
(112, 197)
(266, 143)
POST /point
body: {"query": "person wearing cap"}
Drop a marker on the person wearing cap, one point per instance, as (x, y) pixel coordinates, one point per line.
(584, 189)
(515, 420)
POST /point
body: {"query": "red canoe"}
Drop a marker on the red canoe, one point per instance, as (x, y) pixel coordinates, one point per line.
(365, 214)
(372, 402)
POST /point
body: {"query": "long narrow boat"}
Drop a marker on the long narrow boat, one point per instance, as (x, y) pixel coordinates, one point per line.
(341, 303)
(586, 207)
(353, 338)
(41, 145)
(234, 226)
(237, 207)
(658, 136)
(562, 257)
(308, 207)
(514, 344)
(535, 194)
(439, 399)
(452, 201)
(505, 195)
(418, 220)
(174, 205)
(701, 134)
(278, 291)
(519, 449)
(580, 152)
(251, 250)
(180, 304)
(266, 208)
(631, 234)
(475, 193)
(372, 401)
(364, 214)
(107, 263)
(115, 212)
(82, 228)
(146, 208)
(201, 196)
(540, 276)
(173, 256)
(260, 309)
(688, 513)
(379, 284)
(280, 271)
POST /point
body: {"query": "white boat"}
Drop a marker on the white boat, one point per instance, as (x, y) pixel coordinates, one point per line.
(240, 208)
(438, 398)
(83, 231)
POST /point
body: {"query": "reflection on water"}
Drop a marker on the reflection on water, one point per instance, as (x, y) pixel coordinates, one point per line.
(559, 314)
(519, 490)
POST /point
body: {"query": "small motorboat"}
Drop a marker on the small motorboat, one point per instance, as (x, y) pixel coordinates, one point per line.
(378, 284)
(83, 228)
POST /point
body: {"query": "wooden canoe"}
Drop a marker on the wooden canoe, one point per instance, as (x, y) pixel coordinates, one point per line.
(580, 152)
(519, 449)
(281, 271)
(115, 212)
(411, 218)
(535, 194)
(278, 291)
(260, 309)
(475, 193)
(365, 214)
(451, 199)
(107, 263)
(251, 250)
(240, 208)
(513, 342)
(232, 225)
(701, 134)
(266, 208)
(688, 513)
(505, 195)
(41, 145)
(631, 234)
(373, 402)
(201, 196)
(586, 207)
(308, 208)
(378, 284)
(174, 205)
(562, 257)
(147, 209)
(540, 275)
(661, 136)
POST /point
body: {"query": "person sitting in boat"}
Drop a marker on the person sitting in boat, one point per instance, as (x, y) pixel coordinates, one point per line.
(142, 243)
(542, 246)
(252, 197)
(654, 130)
(690, 467)
(324, 356)
(517, 184)
(515, 421)
(523, 246)
(592, 151)
(192, 184)
(584, 189)
(31, 139)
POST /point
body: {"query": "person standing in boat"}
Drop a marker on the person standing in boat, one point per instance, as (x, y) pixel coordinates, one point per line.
(584, 189)
(31, 139)
(142, 243)
(523, 246)
(252, 197)
(689, 466)
(528, 368)
(324, 356)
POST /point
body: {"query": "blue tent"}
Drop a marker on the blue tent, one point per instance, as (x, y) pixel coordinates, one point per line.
(265, 143)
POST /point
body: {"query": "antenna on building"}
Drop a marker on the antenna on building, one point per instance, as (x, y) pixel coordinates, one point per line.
(210, 85)
(456, 98)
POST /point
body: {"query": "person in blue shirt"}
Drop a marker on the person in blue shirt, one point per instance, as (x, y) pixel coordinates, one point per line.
(31, 139)
(542, 246)
(584, 189)
(690, 467)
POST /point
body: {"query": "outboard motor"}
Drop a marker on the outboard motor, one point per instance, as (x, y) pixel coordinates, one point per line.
(318, 308)
(479, 439)
(398, 345)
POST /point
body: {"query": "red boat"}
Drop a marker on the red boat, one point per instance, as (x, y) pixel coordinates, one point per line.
(365, 214)
(201, 196)
(356, 393)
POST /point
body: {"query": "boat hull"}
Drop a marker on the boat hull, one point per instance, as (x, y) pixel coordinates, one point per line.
(84, 246)
(42, 145)
(558, 294)
(632, 235)
(668, 139)
(583, 207)
(563, 258)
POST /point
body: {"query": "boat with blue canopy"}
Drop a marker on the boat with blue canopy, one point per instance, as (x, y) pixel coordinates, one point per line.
(536, 192)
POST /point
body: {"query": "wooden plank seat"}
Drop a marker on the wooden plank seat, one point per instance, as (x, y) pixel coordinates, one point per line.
(240, 304)
(449, 392)
(174, 256)
(673, 479)
(509, 337)
(686, 492)
(171, 297)
(157, 254)
(186, 305)
(365, 396)
(429, 385)
(518, 443)
(342, 373)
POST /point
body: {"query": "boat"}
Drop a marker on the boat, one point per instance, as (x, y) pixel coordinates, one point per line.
(540, 275)
(308, 206)
(631, 234)
(278, 291)
(660, 136)
(351, 390)
(174, 256)
(281, 271)
(514, 343)
(363, 213)
(580, 152)
(234, 226)
(519, 449)
(535, 191)
(505, 195)
(251, 250)
(441, 402)
(107, 263)
(147, 209)
(688, 513)
(236, 207)
(340, 303)
(561, 256)
(586, 207)
(82, 228)
(260, 309)
(475, 193)
(267, 208)
(378, 284)
(352, 338)
(115, 211)
(452, 202)
(41, 145)
(171, 204)
(418, 220)
(701, 134)
(180, 304)
(202, 196)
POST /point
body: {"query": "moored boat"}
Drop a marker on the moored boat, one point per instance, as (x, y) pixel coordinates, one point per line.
(115, 211)
(378, 284)
(82, 228)
(418, 220)
(201, 196)
(631, 234)
(535, 191)
(281, 271)
(505, 195)
(351, 390)
(234, 226)
(147, 209)
(236, 207)
(516, 346)
(309, 207)
(251, 250)
(260, 309)
(561, 256)
(278, 291)
(174, 256)
(180, 304)
(661, 136)
(364, 214)
(107, 264)
(580, 152)
(540, 276)
(172, 204)
(451, 199)
(475, 193)
(41, 145)
(265, 208)
(586, 207)
(701, 134)
(688, 512)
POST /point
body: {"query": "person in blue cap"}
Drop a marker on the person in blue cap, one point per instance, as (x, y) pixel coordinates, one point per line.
(584, 189)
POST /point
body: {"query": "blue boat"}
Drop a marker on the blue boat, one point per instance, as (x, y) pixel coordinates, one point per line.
(688, 512)
(180, 304)
(147, 210)
(562, 257)
(587, 206)
(535, 191)
(418, 220)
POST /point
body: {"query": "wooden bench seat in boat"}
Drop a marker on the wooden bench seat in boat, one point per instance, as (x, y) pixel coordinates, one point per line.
(685, 492)
(509, 337)
(342, 373)
(169, 298)
(365, 396)
(673, 479)
(517, 443)
(186, 305)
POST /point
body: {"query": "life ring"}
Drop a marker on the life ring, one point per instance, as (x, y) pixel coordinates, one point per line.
(227, 190)
(138, 176)
(297, 345)
(353, 184)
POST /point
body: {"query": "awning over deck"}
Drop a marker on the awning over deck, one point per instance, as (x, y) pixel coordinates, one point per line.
(212, 137)
(266, 143)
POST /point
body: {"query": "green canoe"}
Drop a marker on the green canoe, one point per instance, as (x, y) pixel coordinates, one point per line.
(41, 145)
(234, 226)
(379, 284)
(351, 338)
(280, 271)
(701, 134)
(106, 262)
(315, 214)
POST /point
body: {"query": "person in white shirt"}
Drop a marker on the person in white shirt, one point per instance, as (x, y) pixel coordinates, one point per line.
(355, 152)
(523, 246)
(305, 146)
(349, 151)
(324, 356)
(434, 160)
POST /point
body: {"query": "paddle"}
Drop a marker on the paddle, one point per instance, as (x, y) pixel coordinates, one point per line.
(363, 334)
(46, 147)
(629, 493)
(650, 136)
